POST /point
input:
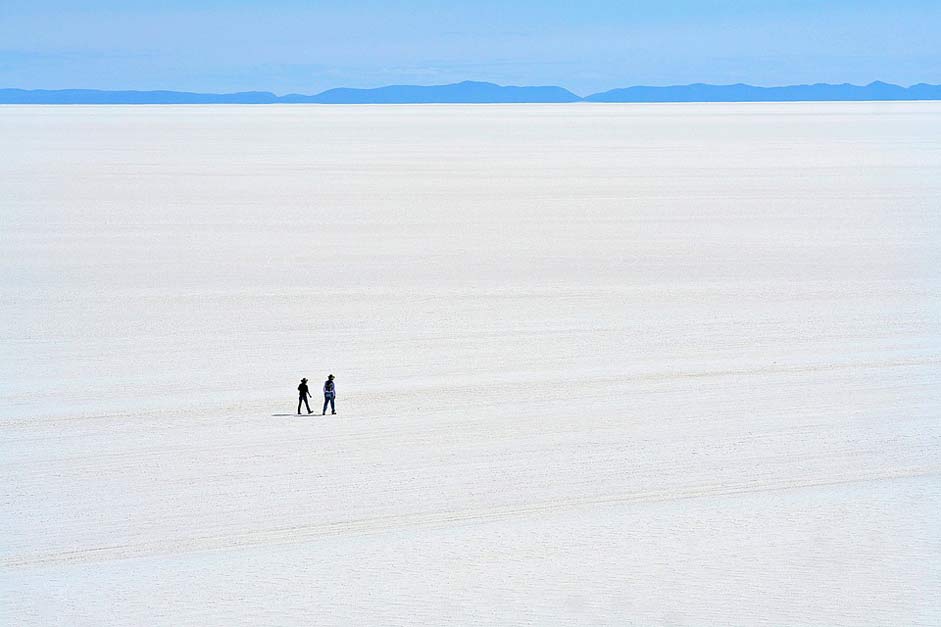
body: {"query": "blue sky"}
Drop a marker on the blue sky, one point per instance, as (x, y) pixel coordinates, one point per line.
(587, 46)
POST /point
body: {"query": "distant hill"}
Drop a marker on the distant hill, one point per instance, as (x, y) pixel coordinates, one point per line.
(700, 92)
(479, 92)
(94, 96)
(467, 91)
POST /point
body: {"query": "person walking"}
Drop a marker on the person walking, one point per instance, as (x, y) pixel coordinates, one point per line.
(329, 393)
(304, 393)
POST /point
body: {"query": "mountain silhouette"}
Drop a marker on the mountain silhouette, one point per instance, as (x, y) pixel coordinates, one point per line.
(700, 92)
(480, 92)
(467, 91)
(95, 96)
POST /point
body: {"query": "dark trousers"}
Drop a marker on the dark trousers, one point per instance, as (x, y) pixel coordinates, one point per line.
(302, 399)
(328, 398)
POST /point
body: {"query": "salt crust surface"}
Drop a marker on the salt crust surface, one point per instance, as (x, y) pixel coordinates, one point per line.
(597, 364)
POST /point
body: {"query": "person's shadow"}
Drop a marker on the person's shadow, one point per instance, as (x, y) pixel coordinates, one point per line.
(284, 415)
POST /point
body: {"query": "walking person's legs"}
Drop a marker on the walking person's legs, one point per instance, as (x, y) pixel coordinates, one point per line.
(306, 404)
(299, 405)
(333, 407)
(326, 399)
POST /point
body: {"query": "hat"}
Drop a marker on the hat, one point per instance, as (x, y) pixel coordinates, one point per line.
(330, 376)
(304, 380)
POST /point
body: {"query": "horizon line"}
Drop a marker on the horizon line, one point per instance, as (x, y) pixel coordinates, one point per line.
(469, 91)
(461, 82)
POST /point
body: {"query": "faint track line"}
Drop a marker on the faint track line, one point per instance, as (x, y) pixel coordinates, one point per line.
(300, 534)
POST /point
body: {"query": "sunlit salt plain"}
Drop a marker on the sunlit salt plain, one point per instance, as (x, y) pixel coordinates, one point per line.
(596, 364)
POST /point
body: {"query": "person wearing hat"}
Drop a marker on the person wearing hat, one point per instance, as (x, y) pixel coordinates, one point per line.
(329, 393)
(304, 393)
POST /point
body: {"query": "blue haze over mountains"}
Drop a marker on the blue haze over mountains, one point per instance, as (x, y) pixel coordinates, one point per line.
(482, 92)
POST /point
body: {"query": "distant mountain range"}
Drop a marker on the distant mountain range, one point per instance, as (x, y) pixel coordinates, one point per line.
(700, 92)
(478, 92)
(468, 91)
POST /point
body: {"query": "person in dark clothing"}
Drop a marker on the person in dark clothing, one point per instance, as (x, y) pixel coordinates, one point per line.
(304, 393)
(329, 393)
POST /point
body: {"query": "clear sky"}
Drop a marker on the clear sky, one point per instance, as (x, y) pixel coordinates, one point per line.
(587, 46)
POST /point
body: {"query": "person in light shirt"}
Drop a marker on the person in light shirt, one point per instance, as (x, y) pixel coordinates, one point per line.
(329, 394)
